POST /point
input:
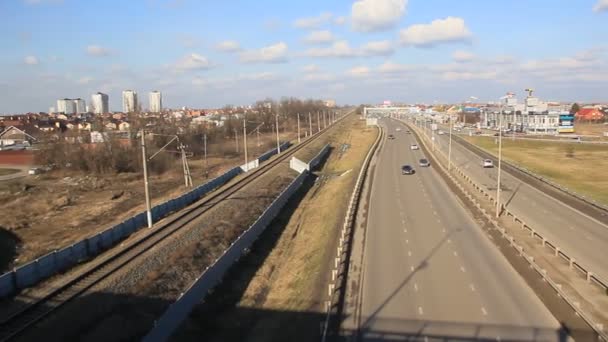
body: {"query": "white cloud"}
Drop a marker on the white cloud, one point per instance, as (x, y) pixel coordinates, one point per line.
(98, 51)
(601, 5)
(450, 29)
(468, 76)
(311, 68)
(313, 22)
(276, 53)
(319, 37)
(378, 48)
(339, 49)
(359, 71)
(376, 15)
(192, 61)
(31, 60)
(392, 67)
(229, 46)
(340, 20)
(463, 56)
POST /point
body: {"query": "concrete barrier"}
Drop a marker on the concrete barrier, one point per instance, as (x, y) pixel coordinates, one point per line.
(180, 309)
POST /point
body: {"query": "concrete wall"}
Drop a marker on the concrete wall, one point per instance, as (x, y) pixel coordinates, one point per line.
(179, 311)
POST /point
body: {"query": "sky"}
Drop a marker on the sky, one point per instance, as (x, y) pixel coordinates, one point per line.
(204, 54)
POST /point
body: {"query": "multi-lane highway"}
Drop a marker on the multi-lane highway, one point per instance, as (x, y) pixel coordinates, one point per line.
(581, 236)
(429, 271)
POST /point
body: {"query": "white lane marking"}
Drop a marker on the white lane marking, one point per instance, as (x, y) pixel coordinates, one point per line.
(426, 339)
(497, 338)
(472, 287)
(405, 230)
(483, 311)
(412, 268)
(449, 240)
(455, 253)
(415, 287)
(434, 213)
(409, 253)
(438, 221)
(420, 312)
(462, 269)
(407, 241)
(443, 230)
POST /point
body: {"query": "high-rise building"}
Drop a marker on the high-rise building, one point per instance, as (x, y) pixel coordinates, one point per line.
(66, 106)
(129, 101)
(100, 103)
(80, 106)
(156, 102)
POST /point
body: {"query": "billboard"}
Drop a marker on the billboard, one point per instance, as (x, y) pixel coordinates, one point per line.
(566, 123)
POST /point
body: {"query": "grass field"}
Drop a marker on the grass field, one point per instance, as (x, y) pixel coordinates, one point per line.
(5, 172)
(579, 167)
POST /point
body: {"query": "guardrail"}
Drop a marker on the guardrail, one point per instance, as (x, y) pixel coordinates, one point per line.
(181, 308)
(591, 278)
(61, 260)
(339, 273)
(485, 154)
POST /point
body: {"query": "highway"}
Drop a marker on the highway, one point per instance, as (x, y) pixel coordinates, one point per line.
(429, 272)
(579, 235)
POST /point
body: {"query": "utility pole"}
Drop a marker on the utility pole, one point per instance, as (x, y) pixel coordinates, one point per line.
(309, 124)
(277, 125)
(205, 155)
(146, 183)
(299, 135)
(450, 146)
(236, 140)
(324, 119)
(245, 143)
(318, 122)
(499, 160)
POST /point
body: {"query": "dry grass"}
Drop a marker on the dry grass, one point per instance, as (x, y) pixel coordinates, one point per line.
(590, 128)
(580, 167)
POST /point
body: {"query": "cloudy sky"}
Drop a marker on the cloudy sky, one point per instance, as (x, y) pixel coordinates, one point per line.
(207, 53)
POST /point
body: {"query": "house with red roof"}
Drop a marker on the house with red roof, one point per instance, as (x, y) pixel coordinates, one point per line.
(589, 114)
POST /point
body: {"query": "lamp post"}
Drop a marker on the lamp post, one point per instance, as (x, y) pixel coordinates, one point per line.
(299, 138)
(277, 126)
(499, 155)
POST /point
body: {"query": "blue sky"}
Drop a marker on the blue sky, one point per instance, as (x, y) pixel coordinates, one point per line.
(210, 53)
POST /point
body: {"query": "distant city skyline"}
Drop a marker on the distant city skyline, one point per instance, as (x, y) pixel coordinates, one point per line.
(362, 51)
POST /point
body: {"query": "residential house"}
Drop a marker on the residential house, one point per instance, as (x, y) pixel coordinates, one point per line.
(124, 126)
(13, 136)
(589, 114)
(84, 126)
(111, 126)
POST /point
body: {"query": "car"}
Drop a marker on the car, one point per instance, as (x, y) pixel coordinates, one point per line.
(424, 162)
(414, 147)
(487, 163)
(407, 170)
(398, 129)
(408, 132)
(441, 132)
(391, 137)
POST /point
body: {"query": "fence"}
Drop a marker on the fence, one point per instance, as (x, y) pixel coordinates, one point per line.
(213, 274)
(299, 166)
(58, 261)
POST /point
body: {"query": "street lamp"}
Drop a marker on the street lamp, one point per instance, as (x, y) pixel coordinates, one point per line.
(499, 154)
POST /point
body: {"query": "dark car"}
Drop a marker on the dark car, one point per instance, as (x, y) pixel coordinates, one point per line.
(424, 162)
(407, 170)
(391, 137)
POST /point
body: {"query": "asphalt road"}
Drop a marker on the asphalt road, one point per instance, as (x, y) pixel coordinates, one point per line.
(429, 271)
(22, 171)
(581, 236)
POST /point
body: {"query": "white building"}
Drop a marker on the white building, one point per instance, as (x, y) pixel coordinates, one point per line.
(80, 106)
(129, 101)
(100, 103)
(156, 102)
(66, 106)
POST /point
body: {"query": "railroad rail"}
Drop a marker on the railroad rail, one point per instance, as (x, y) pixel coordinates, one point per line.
(104, 266)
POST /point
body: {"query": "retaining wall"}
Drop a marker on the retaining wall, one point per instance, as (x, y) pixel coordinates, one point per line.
(179, 311)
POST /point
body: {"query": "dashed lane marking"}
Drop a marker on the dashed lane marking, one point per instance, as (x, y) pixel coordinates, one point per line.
(462, 269)
(415, 287)
(472, 287)
(455, 253)
(420, 312)
(483, 311)
(409, 253)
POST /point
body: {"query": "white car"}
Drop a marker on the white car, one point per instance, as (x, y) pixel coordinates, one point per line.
(441, 132)
(487, 163)
(398, 129)
(414, 147)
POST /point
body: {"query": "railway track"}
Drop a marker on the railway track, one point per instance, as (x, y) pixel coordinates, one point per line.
(105, 265)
